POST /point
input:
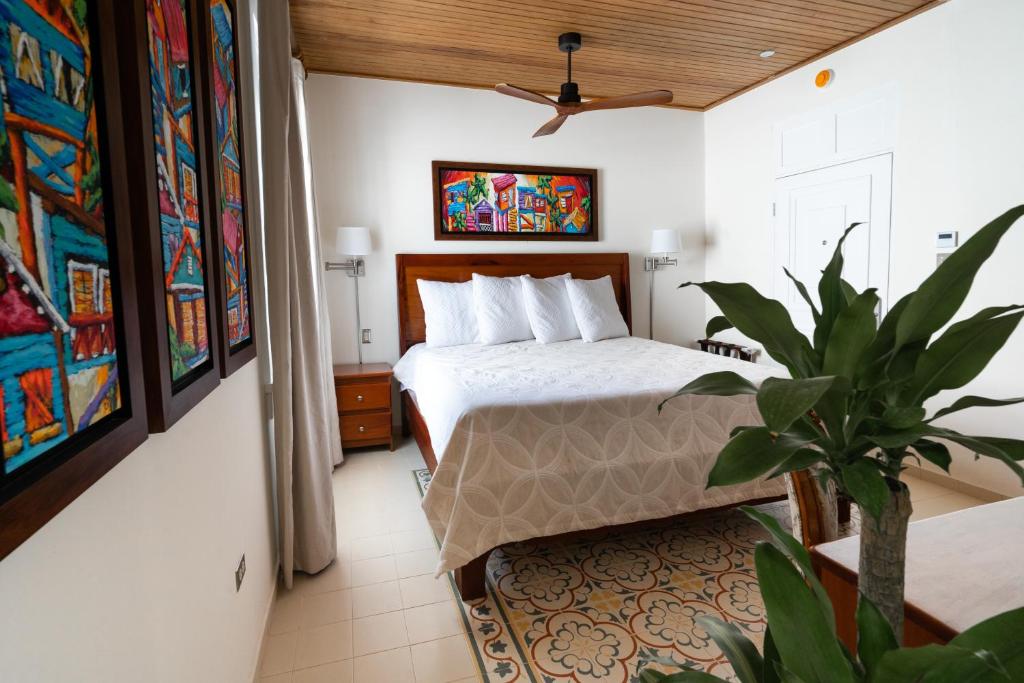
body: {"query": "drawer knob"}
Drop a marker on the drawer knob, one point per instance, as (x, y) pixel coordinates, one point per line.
(359, 398)
(362, 428)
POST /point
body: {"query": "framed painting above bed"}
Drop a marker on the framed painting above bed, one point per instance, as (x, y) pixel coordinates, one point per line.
(71, 378)
(514, 202)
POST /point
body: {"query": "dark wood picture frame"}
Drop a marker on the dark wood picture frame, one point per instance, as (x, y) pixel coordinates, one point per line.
(440, 233)
(231, 358)
(33, 495)
(167, 399)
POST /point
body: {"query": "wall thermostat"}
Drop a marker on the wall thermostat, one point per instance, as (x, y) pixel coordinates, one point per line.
(946, 240)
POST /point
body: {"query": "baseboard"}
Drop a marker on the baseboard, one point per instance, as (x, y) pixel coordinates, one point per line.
(266, 630)
(954, 484)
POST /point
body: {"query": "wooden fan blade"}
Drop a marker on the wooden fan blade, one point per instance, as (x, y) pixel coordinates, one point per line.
(523, 94)
(551, 126)
(640, 99)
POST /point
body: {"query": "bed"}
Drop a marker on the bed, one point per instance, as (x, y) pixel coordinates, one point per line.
(534, 441)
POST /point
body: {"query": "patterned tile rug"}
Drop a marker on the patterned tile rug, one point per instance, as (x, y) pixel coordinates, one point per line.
(608, 607)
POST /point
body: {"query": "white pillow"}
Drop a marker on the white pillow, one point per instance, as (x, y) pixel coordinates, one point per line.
(500, 311)
(548, 309)
(597, 313)
(448, 312)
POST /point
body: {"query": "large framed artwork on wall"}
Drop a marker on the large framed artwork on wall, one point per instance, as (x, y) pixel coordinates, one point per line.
(71, 377)
(165, 118)
(514, 202)
(227, 186)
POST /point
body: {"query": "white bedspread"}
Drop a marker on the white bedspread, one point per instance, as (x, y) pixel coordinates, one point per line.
(540, 439)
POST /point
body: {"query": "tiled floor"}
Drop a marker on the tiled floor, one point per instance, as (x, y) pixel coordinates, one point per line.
(377, 614)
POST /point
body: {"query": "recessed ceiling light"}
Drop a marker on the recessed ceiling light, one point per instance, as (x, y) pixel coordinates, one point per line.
(767, 54)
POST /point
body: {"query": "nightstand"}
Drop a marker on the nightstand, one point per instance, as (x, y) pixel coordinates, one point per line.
(364, 404)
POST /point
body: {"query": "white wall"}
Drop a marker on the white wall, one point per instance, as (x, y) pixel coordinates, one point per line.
(134, 581)
(372, 143)
(958, 162)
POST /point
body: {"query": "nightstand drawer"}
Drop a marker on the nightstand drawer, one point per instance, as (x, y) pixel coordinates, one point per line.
(364, 396)
(367, 426)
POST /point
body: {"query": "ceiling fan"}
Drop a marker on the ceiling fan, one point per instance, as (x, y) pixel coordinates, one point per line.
(569, 101)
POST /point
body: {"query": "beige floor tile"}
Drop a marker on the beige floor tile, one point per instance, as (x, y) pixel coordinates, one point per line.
(335, 672)
(376, 598)
(417, 562)
(408, 520)
(921, 489)
(378, 633)
(424, 590)
(407, 541)
(336, 576)
(376, 570)
(324, 644)
(287, 612)
(431, 622)
(940, 505)
(443, 661)
(390, 665)
(371, 547)
(363, 525)
(321, 609)
(279, 678)
(278, 653)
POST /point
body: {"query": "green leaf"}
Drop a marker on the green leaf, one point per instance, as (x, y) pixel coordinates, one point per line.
(943, 292)
(815, 313)
(797, 553)
(866, 485)
(934, 452)
(737, 648)
(1001, 635)
(929, 663)
(716, 325)
(852, 332)
(959, 355)
(771, 658)
(748, 455)
(899, 438)
(764, 320)
(830, 293)
(874, 634)
(800, 460)
(725, 383)
(800, 628)
(849, 293)
(965, 402)
(993, 447)
(905, 417)
(783, 401)
(8, 200)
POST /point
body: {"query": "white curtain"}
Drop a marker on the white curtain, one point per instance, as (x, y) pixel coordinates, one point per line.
(306, 440)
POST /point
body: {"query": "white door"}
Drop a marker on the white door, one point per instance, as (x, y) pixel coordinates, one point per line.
(812, 210)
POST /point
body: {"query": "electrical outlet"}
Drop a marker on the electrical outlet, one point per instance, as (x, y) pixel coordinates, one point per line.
(240, 573)
(366, 335)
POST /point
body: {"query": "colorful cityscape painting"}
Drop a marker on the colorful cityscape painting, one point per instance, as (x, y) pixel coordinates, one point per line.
(508, 203)
(181, 229)
(229, 173)
(58, 346)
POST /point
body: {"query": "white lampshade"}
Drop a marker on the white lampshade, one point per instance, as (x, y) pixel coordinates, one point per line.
(352, 241)
(665, 242)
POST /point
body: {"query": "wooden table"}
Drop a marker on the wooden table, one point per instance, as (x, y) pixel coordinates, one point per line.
(962, 568)
(364, 404)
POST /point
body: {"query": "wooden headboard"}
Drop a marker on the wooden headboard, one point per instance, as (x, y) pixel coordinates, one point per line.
(460, 268)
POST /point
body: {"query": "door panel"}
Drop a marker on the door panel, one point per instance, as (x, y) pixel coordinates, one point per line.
(813, 209)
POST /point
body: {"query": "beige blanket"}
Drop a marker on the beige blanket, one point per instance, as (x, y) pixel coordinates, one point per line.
(535, 440)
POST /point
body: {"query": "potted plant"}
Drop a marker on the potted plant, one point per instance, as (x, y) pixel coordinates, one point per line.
(852, 409)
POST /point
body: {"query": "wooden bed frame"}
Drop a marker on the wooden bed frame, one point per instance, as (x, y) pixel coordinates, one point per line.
(470, 578)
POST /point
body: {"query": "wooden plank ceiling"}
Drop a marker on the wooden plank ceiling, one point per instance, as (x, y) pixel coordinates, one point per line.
(704, 51)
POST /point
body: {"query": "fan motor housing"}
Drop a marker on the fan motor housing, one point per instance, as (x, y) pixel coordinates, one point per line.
(570, 42)
(570, 93)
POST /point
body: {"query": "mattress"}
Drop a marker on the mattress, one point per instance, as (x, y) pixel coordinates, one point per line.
(535, 439)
